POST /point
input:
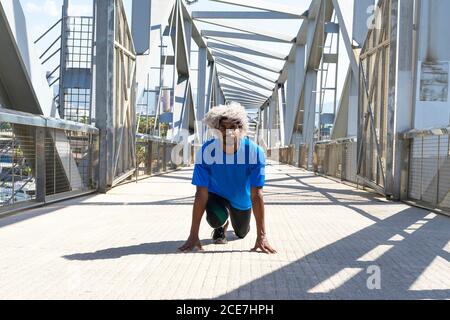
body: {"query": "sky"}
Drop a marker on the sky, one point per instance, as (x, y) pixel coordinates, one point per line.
(41, 14)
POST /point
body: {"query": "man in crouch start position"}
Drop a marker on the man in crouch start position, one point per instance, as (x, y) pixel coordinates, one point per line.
(229, 174)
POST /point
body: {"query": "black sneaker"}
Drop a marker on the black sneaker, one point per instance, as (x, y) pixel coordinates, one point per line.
(219, 236)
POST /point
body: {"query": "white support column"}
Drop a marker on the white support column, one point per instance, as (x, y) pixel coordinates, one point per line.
(299, 68)
(281, 108)
(405, 93)
(270, 128)
(201, 93)
(105, 92)
(363, 10)
(352, 116)
(188, 37)
(309, 118)
(180, 108)
(296, 74)
(266, 124)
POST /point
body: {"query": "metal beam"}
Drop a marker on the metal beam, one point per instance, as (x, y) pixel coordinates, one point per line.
(247, 104)
(244, 98)
(248, 92)
(105, 92)
(141, 16)
(235, 58)
(245, 28)
(236, 84)
(347, 41)
(247, 48)
(196, 35)
(240, 35)
(235, 48)
(282, 107)
(244, 94)
(267, 6)
(244, 79)
(242, 15)
(235, 66)
(201, 92)
(309, 116)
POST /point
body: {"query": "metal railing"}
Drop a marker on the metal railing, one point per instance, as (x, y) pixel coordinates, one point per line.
(429, 168)
(157, 155)
(302, 161)
(337, 158)
(284, 155)
(44, 159)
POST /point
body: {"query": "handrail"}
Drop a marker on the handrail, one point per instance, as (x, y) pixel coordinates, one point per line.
(148, 137)
(337, 141)
(425, 132)
(24, 118)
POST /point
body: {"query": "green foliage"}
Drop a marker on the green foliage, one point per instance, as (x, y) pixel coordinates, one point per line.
(146, 124)
(164, 128)
(140, 154)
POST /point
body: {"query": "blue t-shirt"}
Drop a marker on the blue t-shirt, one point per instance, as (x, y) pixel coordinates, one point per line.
(230, 176)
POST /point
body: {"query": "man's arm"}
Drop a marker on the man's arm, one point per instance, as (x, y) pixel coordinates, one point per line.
(201, 198)
(258, 210)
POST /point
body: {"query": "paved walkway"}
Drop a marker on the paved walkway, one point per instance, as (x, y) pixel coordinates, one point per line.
(332, 241)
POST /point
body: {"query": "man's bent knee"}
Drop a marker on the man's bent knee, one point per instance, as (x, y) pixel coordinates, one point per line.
(241, 234)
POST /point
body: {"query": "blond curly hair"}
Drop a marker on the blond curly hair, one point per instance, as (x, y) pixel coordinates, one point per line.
(232, 111)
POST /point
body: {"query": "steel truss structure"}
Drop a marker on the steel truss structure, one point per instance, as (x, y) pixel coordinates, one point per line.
(107, 69)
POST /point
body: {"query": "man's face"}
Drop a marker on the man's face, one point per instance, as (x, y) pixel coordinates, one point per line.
(230, 132)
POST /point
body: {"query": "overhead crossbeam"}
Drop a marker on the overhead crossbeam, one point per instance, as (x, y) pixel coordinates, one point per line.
(236, 86)
(242, 15)
(267, 6)
(235, 58)
(245, 28)
(244, 36)
(246, 103)
(245, 50)
(235, 66)
(244, 79)
(244, 96)
(240, 91)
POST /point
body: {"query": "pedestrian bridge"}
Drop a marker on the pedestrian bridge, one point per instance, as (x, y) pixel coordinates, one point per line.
(333, 242)
(100, 117)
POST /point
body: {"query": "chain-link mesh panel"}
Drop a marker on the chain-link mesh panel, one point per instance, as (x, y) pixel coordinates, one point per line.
(429, 171)
(77, 69)
(17, 164)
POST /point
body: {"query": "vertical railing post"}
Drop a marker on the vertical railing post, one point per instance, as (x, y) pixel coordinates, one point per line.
(40, 164)
(344, 162)
(421, 170)
(438, 170)
(104, 98)
(149, 158)
(164, 157)
(405, 168)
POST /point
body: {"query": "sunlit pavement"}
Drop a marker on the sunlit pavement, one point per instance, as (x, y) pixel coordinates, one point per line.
(333, 242)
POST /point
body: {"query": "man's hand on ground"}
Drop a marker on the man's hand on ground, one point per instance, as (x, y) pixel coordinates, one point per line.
(263, 244)
(191, 243)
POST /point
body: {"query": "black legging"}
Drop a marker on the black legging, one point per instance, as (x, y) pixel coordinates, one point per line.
(219, 209)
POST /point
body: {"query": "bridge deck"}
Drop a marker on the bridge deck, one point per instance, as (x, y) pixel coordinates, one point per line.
(122, 245)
